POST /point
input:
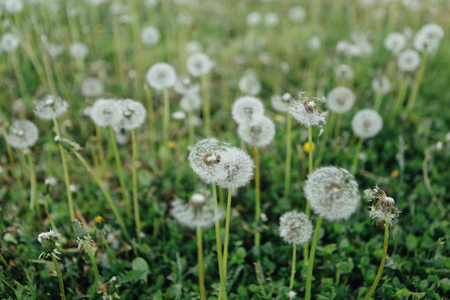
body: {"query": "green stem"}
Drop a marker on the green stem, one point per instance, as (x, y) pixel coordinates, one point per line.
(417, 82)
(201, 275)
(326, 134)
(400, 96)
(61, 284)
(49, 216)
(166, 118)
(33, 191)
(227, 231)
(2, 259)
(20, 79)
(105, 193)
(355, 158)
(311, 259)
(134, 174)
(125, 195)
(307, 210)
(311, 149)
(223, 290)
(94, 265)
(294, 252)
(378, 100)
(383, 260)
(151, 117)
(206, 105)
(287, 175)
(101, 154)
(257, 198)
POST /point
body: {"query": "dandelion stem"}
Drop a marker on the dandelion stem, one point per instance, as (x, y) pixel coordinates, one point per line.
(94, 265)
(2, 259)
(223, 291)
(287, 175)
(294, 252)
(166, 118)
(400, 96)
(417, 82)
(311, 259)
(307, 211)
(227, 231)
(125, 195)
(355, 158)
(61, 284)
(134, 175)
(101, 155)
(151, 117)
(257, 198)
(337, 128)
(378, 100)
(33, 190)
(383, 260)
(201, 275)
(49, 216)
(206, 105)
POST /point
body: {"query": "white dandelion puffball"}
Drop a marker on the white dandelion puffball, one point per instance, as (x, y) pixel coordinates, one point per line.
(307, 111)
(428, 37)
(178, 115)
(332, 193)
(295, 228)
(193, 47)
(246, 108)
(340, 99)
(199, 64)
(22, 134)
(150, 36)
(395, 42)
(50, 107)
(281, 103)
(79, 50)
(381, 85)
(191, 102)
(9, 42)
(161, 76)
(297, 14)
(271, 19)
(408, 60)
(367, 123)
(259, 132)
(344, 72)
(205, 159)
(383, 207)
(239, 167)
(13, 6)
(185, 86)
(133, 114)
(249, 84)
(151, 3)
(91, 87)
(105, 112)
(254, 19)
(314, 43)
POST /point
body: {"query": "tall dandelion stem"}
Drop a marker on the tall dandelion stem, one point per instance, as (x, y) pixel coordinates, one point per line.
(257, 197)
(417, 82)
(94, 266)
(383, 260)
(294, 258)
(101, 154)
(308, 210)
(355, 158)
(166, 118)
(33, 190)
(223, 291)
(134, 175)
(227, 231)
(311, 259)
(61, 284)
(201, 275)
(287, 175)
(400, 96)
(206, 105)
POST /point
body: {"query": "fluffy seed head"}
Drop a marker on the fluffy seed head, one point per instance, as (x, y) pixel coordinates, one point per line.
(9, 42)
(307, 111)
(408, 60)
(297, 14)
(254, 19)
(281, 103)
(50, 107)
(395, 42)
(22, 134)
(150, 36)
(295, 227)
(246, 108)
(259, 132)
(105, 112)
(185, 86)
(191, 102)
(239, 168)
(199, 64)
(344, 72)
(381, 85)
(383, 207)
(332, 193)
(91, 87)
(340, 99)
(249, 84)
(428, 37)
(79, 50)
(367, 123)
(132, 114)
(161, 76)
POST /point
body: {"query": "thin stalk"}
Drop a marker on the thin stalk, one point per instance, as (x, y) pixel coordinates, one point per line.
(326, 134)
(19, 75)
(166, 118)
(191, 127)
(227, 231)
(383, 260)
(294, 252)
(134, 175)
(151, 117)
(337, 128)
(2, 259)
(378, 100)
(33, 190)
(287, 175)
(125, 195)
(257, 197)
(201, 274)
(223, 290)
(61, 284)
(400, 96)
(101, 154)
(355, 158)
(206, 105)
(417, 82)
(66, 172)
(105, 193)
(49, 216)
(94, 265)
(308, 210)
(311, 259)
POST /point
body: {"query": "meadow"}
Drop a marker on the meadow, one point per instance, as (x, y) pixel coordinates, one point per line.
(201, 149)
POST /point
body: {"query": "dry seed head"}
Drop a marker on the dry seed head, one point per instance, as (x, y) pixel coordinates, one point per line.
(246, 108)
(50, 107)
(295, 227)
(22, 134)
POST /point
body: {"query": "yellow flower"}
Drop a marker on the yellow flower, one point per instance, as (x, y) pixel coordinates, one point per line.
(98, 219)
(306, 147)
(279, 118)
(171, 144)
(395, 173)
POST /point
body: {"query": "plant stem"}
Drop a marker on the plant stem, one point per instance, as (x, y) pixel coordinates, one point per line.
(33, 191)
(134, 175)
(206, 105)
(61, 284)
(287, 175)
(311, 259)
(166, 118)
(355, 158)
(227, 231)
(201, 275)
(307, 210)
(125, 195)
(417, 82)
(2, 259)
(383, 260)
(257, 198)
(94, 265)
(20, 79)
(336, 131)
(223, 290)
(400, 96)
(294, 252)
(378, 100)
(101, 154)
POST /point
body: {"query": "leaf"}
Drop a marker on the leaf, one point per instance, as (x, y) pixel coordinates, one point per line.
(411, 242)
(139, 264)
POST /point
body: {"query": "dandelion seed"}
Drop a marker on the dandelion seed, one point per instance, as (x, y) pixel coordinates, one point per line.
(340, 100)
(22, 134)
(239, 167)
(91, 87)
(150, 36)
(367, 123)
(246, 108)
(295, 228)
(259, 132)
(133, 114)
(161, 76)
(199, 64)
(50, 107)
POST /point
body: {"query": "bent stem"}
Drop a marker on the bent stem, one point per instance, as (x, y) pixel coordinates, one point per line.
(227, 231)
(257, 198)
(287, 175)
(61, 284)
(134, 175)
(311, 259)
(383, 260)
(201, 275)
(417, 82)
(355, 158)
(94, 265)
(223, 291)
(294, 251)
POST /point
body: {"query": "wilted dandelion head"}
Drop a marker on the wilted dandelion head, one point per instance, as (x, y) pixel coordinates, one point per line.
(197, 212)
(281, 103)
(295, 227)
(428, 37)
(150, 36)
(381, 85)
(79, 50)
(191, 102)
(259, 132)
(344, 72)
(132, 114)
(105, 112)
(249, 84)
(332, 193)
(408, 60)
(239, 168)
(199, 64)
(367, 123)
(50, 107)
(340, 99)
(297, 14)
(383, 207)
(161, 76)
(246, 108)
(307, 111)
(205, 159)
(254, 19)
(9, 42)
(395, 42)
(81, 234)
(22, 134)
(91, 87)
(49, 245)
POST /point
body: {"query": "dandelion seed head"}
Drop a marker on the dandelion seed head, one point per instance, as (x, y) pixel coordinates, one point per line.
(246, 108)
(281, 103)
(191, 102)
(91, 87)
(297, 14)
(344, 72)
(161, 76)
(381, 85)
(133, 114)
(314, 43)
(79, 50)
(50, 107)
(367, 123)
(199, 64)
(395, 42)
(340, 99)
(9, 42)
(428, 37)
(408, 60)
(259, 132)
(383, 207)
(13, 6)
(295, 228)
(239, 167)
(249, 84)
(22, 134)
(105, 112)
(254, 19)
(271, 19)
(150, 36)
(184, 86)
(307, 111)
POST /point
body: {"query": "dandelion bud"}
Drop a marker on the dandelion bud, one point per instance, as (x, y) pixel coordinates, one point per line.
(50, 107)
(22, 134)
(105, 112)
(49, 245)
(161, 76)
(239, 168)
(367, 123)
(199, 64)
(133, 114)
(259, 132)
(81, 233)
(340, 100)
(295, 227)
(246, 108)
